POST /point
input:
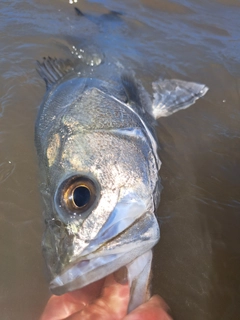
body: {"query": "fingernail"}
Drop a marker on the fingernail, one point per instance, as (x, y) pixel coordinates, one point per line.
(121, 275)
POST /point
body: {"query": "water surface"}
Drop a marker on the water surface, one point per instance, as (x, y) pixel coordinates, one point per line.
(196, 264)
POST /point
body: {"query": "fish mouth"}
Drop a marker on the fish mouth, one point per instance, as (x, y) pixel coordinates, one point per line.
(108, 257)
(89, 271)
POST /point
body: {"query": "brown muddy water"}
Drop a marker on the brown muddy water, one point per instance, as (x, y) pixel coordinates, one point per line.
(196, 264)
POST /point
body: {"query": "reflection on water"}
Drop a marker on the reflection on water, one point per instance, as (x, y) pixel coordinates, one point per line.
(197, 262)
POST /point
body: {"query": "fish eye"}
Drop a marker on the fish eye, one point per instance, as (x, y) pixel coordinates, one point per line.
(76, 195)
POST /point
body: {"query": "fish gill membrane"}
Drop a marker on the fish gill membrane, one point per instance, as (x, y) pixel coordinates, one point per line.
(99, 166)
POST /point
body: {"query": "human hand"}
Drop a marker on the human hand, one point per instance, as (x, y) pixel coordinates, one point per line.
(106, 299)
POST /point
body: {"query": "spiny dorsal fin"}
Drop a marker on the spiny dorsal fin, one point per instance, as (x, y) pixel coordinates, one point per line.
(52, 70)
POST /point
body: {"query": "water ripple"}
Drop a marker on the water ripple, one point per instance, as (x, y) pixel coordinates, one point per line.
(5, 100)
(6, 170)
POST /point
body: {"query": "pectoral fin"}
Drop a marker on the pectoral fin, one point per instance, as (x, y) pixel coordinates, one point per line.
(170, 96)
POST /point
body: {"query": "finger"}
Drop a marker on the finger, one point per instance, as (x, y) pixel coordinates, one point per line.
(154, 309)
(61, 307)
(113, 303)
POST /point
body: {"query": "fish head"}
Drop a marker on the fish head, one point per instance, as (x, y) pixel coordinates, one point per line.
(100, 185)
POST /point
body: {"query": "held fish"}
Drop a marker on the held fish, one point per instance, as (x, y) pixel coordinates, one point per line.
(99, 172)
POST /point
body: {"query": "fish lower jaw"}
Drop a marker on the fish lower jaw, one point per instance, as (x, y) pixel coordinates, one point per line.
(89, 271)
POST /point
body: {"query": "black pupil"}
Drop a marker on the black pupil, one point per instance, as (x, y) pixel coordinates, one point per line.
(81, 196)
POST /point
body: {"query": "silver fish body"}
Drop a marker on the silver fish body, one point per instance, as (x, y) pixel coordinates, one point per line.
(99, 173)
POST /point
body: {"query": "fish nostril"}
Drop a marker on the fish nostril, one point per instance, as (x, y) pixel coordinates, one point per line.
(58, 223)
(81, 196)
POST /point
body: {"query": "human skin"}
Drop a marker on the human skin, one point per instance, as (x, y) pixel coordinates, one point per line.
(106, 299)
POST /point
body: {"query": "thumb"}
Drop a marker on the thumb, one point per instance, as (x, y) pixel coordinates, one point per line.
(113, 303)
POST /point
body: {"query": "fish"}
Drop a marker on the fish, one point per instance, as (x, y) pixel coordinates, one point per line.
(99, 171)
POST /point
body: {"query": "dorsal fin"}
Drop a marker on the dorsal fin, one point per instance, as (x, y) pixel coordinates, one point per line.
(110, 16)
(52, 70)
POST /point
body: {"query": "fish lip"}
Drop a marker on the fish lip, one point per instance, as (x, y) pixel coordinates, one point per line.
(78, 276)
(57, 285)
